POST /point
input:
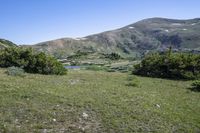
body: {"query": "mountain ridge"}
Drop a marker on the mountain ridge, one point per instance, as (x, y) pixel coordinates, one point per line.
(152, 34)
(6, 43)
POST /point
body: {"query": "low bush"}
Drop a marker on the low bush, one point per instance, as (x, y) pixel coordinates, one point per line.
(196, 85)
(170, 65)
(122, 69)
(111, 70)
(133, 84)
(113, 56)
(78, 55)
(15, 71)
(30, 61)
(132, 81)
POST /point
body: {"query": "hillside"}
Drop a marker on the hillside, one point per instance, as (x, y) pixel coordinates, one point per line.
(135, 39)
(5, 43)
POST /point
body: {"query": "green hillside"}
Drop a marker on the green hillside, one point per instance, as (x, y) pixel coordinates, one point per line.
(154, 34)
(5, 43)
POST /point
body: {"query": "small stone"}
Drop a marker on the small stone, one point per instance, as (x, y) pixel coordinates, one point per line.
(83, 129)
(157, 105)
(18, 126)
(85, 115)
(45, 131)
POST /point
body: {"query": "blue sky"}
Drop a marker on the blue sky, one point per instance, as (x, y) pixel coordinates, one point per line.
(33, 21)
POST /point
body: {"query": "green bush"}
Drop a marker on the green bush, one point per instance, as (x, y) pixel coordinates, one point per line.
(30, 61)
(113, 56)
(110, 70)
(78, 55)
(170, 65)
(122, 69)
(133, 84)
(132, 81)
(15, 71)
(196, 85)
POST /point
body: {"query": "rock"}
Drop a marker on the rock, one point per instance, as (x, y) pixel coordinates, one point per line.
(157, 105)
(85, 115)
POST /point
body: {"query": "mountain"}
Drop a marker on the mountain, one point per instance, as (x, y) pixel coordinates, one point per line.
(5, 43)
(154, 34)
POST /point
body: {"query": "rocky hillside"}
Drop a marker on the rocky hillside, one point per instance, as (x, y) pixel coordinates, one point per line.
(154, 34)
(5, 43)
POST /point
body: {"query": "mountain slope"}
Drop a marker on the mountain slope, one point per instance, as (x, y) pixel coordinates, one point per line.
(5, 43)
(135, 39)
(155, 33)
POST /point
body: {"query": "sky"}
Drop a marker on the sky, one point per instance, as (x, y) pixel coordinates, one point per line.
(34, 21)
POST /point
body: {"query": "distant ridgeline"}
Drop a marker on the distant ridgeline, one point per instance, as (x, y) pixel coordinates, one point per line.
(135, 40)
(5, 44)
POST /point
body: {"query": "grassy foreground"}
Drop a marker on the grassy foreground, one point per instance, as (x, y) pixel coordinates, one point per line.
(88, 101)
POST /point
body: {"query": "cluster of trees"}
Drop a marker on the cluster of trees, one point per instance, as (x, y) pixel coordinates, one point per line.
(113, 56)
(174, 40)
(78, 55)
(30, 61)
(170, 65)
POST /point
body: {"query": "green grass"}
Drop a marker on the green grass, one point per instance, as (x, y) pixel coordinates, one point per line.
(96, 101)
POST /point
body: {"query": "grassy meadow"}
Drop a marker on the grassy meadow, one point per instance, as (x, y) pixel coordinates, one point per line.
(97, 101)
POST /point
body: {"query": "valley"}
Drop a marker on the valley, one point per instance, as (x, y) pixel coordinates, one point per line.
(143, 77)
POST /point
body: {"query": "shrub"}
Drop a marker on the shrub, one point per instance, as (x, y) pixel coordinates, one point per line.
(132, 81)
(196, 85)
(15, 71)
(170, 65)
(111, 70)
(113, 56)
(30, 61)
(133, 84)
(41, 63)
(123, 69)
(78, 55)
